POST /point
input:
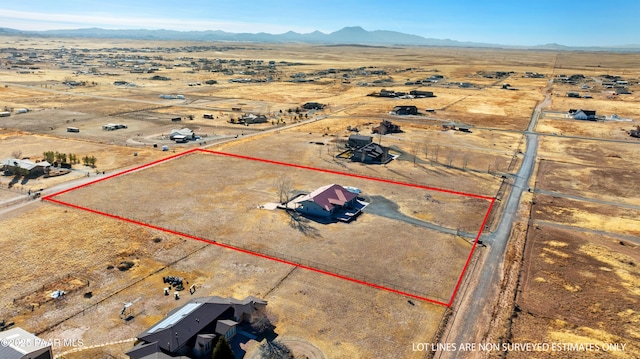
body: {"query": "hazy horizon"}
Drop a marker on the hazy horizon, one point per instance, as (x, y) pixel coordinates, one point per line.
(570, 23)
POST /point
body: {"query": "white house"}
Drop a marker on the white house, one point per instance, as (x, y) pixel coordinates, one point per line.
(182, 134)
(583, 114)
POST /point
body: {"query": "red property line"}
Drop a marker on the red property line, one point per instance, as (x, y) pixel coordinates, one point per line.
(246, 251)
(120, 173)
(473, 248)
(276, 259)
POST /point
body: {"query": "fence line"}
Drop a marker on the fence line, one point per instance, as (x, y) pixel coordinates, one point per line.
(315, 265)
(295, 260)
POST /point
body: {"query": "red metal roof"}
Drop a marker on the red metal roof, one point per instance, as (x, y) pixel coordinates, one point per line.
(329, 196)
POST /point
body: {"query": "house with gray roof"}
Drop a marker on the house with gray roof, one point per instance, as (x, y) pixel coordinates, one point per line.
(356, 141)
(386, 127)
(184, 133)
(404, 110)
(251, 118)
(11, 165)
(17, 343)
(581, 114)
(371, 153)
(191, 331)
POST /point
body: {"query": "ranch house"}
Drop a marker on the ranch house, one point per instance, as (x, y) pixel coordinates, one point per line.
(330, 201)
(191, 331)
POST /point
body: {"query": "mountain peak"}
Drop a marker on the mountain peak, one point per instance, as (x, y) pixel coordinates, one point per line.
(351, 30)
(349, 35)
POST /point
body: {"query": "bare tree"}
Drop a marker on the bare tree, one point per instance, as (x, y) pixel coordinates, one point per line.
(450, 157)
(285, 187)
(465, 161)
(414, 153)
(435, 153)
(275, 350)
(16, 154)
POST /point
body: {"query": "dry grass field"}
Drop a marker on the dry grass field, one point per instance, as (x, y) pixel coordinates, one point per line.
(613, 130)
(583, 216)
(625, 106)
(580, 278)
(599, 182)
(97, 242)
(610, 218)
(578, 288)
(220, 202)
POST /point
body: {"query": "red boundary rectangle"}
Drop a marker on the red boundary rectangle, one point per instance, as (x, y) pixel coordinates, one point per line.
(50, 198)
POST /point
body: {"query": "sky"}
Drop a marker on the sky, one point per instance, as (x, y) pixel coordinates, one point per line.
(505, 22)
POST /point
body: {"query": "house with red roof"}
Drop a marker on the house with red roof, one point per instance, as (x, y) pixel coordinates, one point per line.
(330, 201)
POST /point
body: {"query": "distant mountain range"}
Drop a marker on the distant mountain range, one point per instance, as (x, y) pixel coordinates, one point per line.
(354, 35)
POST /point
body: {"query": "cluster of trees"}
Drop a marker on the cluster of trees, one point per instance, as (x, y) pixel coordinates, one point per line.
(59, 157)
(297, 117)
(89, 161)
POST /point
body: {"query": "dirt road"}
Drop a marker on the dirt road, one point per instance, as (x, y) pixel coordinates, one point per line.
(474, 306)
